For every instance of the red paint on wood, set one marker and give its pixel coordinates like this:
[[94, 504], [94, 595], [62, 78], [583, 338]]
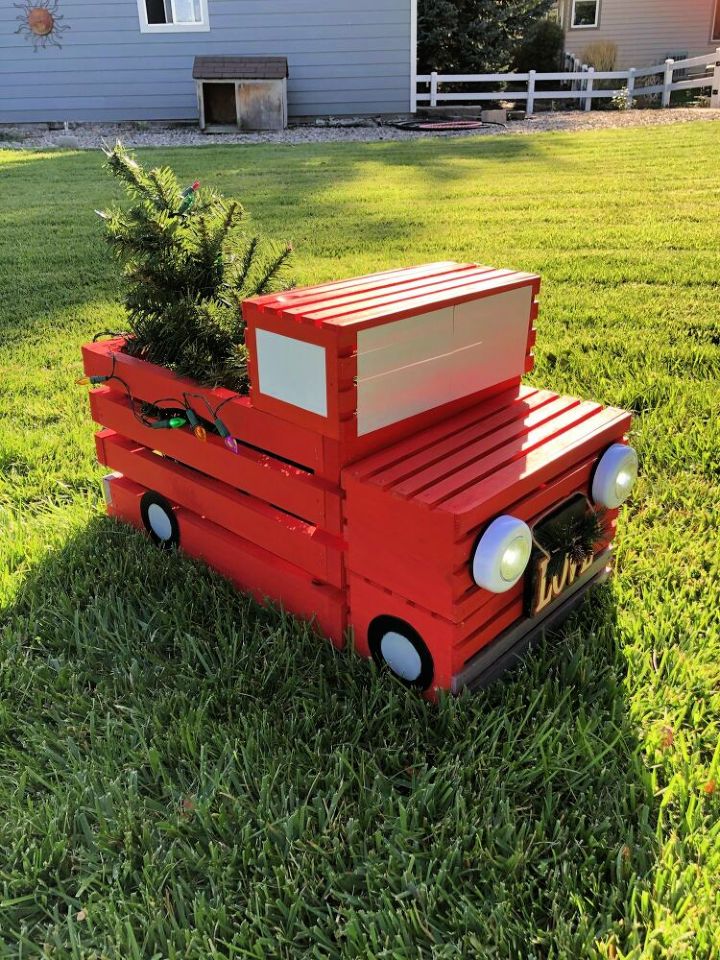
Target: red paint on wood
[[417, 294], [473, 506], [305, 545], [407, 502], [512, 448], [367, 601], [285, 486], [149, 382], [339, 311], [441, 581], [331, 316], [502, 431], [249, 567], [371, 281], [423, 553]]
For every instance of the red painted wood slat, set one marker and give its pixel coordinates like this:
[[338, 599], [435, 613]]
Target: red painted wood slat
[[538, 502], [384, 309], [305, 545], [552, 421], [368, 601], [354, 300], [395, 453], [473, 506], [288, 487], [425, 557], [414, 473], [150, 382], [249, 567], [372, 281]]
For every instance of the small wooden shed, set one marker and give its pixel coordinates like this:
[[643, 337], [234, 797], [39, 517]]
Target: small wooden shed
[[245, 93]]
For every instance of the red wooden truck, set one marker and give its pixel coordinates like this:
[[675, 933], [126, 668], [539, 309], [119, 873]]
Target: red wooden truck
[[388, 473]]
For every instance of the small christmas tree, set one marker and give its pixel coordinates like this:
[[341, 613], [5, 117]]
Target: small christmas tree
[[188, 265]]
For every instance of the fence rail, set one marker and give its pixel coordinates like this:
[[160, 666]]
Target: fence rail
[[579, 81]]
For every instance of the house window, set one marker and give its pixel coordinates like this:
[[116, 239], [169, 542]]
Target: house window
[[161, 16], [716, 22], [585, 13]]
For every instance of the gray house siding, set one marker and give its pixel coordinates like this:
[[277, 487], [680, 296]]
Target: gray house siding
[[645, 32], [345, 57]]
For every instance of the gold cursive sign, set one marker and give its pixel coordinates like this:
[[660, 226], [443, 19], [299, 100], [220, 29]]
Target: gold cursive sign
[[548, 588]]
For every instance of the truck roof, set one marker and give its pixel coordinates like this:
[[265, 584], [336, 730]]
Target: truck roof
[[383, 297]]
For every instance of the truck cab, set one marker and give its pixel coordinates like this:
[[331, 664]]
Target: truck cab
[[448, 464]]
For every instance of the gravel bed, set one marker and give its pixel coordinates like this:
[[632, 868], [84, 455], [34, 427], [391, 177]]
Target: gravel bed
[[91, 136]]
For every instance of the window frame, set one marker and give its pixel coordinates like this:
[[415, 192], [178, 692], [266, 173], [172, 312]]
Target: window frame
[[715, 23], [200, 27], [585, 26]]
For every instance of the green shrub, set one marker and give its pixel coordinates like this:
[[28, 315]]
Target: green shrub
[[542, 49], [473, 36]]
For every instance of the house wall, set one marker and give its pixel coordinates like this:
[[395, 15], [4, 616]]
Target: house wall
[[646, 31], [344, 57]]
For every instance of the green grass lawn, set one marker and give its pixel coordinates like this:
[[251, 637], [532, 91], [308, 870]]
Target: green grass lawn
[[185, 775]]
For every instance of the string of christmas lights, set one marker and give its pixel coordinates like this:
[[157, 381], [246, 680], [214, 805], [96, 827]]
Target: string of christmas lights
[[170, 419]]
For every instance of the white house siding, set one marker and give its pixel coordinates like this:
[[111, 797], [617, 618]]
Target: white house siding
[[344, 57], [647, 31]]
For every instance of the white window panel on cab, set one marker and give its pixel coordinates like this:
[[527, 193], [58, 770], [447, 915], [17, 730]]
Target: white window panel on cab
[[422, 362], [292, 370]]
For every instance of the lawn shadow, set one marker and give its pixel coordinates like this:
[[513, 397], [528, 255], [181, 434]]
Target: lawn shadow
[[152, 702]]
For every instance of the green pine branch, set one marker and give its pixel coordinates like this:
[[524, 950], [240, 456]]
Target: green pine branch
[[272, 271], [575, 537], [186, 276]]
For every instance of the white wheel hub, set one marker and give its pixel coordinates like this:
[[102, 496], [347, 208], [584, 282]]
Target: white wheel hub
[[159, 521], [400, 655]]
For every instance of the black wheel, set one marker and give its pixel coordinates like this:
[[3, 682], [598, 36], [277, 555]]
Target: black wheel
[[399, 647], [159, 520]]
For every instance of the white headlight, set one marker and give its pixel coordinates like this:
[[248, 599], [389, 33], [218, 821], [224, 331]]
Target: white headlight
[[615, 476], [502, 554]]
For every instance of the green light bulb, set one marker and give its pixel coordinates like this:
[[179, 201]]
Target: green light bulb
[[175, 422]]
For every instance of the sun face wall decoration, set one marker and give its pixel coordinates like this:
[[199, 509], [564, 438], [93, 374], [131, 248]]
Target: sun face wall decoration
[[40, 22]]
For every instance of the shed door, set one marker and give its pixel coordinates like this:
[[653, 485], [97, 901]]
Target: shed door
[[260, 105]]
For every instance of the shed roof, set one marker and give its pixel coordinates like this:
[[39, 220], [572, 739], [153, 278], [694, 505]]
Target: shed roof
[[240, 68]]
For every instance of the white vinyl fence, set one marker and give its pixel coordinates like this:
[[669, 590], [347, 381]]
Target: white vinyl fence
[[578, 83]]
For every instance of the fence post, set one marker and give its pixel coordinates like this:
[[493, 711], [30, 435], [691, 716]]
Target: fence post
[[667, 82], [530, 106], [589, 88], [630, 97], [433, 89], [715, 92], [581, 83]]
